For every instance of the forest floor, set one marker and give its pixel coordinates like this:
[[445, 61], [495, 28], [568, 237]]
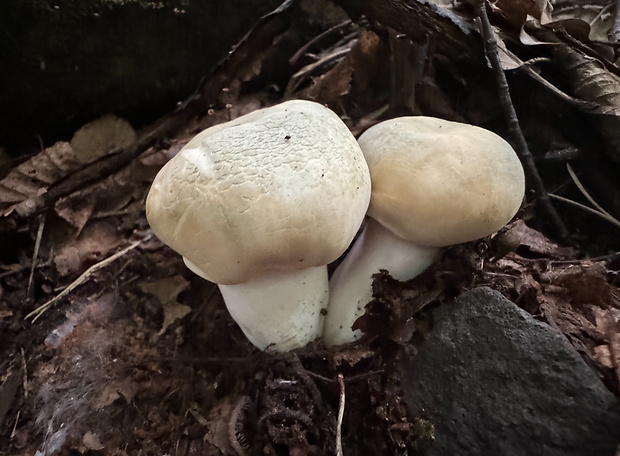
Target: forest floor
[[111, 346]]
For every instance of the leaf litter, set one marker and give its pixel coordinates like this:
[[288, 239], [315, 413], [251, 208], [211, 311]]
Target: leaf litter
[[143, 357]]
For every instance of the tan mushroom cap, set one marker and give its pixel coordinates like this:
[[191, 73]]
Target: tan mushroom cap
[[281, 188], [437, 183]]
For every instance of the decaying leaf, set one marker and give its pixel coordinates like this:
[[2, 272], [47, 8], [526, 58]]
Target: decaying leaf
[[94, 243], [594, 21], [591, 81], [37, 174], [75, 211], [53, 164], [173, 311], [332, 85], [518, 234], [91, 441], [167, 290], [100, 137], [516, 11], [391, 312]]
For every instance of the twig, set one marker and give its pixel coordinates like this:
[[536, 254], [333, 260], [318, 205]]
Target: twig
[[23, 268], [24, 373], [585, 193], [14, 431], [340, 416], [35, 255], [307, 381], [611, 256], [616, 28], [336, 28], [583, 207], [288, 414], [354, 378], [536, 183], [83, 278]]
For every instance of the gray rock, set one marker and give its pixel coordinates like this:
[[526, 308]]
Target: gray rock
[[494, 381]]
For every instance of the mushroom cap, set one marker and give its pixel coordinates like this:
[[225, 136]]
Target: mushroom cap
[[437, 183], [281, 188]]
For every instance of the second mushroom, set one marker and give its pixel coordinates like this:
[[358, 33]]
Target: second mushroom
[[434, 183]]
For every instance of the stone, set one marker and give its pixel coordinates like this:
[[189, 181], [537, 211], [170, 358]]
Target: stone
[[495, 381]]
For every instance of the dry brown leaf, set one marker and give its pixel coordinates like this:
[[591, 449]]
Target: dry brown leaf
[[75, 211], [100, 137], [113, 391], [351, 356], [67, 260], [107, 396], [603, 355], [217, 420], [34, 176], [92, 442], [534, 241], [515, 12], [51, 165], [591, 81], [368, 57], [586, 283], [332, 85], [167, 289], [94, 243], [594, 21], [173, 311]]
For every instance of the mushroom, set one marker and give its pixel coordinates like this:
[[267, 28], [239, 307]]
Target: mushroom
[[259, 205], [435, 183]]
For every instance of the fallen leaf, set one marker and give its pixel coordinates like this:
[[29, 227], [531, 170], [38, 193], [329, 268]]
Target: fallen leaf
[[533, 240], [75, 212], [167, 289], [173, 311], [603, 355], [101, 137], [35, 175], [92, 442]]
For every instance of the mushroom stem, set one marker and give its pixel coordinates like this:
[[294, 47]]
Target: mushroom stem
[[280, 311], [351, 284]]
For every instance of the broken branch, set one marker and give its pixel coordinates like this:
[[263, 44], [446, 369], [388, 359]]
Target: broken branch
[[536, 183]]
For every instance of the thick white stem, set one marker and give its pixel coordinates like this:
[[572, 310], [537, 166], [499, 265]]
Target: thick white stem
[[280, 311], [351, 284]]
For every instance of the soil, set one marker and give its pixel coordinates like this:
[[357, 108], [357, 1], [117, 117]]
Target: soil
[[140, 356]]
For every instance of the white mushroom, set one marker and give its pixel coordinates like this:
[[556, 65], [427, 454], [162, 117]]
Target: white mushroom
[[434, 183], [260, 205]]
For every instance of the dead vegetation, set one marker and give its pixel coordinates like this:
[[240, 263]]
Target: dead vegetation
[[110, 346]]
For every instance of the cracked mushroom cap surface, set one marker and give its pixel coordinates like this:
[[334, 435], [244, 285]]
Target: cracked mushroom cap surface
[[281, 188], [437, 183]]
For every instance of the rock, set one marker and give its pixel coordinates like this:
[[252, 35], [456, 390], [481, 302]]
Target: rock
[[494, 381]]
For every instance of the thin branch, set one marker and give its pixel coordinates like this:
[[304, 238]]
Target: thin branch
[[304, 376], [585, 193], [35, 255], [583, 207], [525, 155], [340, 416], [300, 53], [616, 27], [35, 314], [24, 373]]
